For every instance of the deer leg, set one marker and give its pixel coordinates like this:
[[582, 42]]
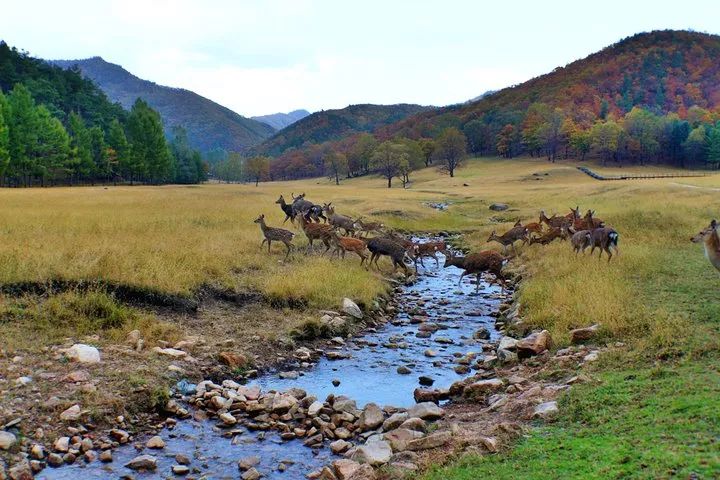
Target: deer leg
[[262, 244], [327, 247], [607, 249], [478, 277], [437, 262], [269, 241], [309, 247], [514, 249], [461, 277], [287, 245]]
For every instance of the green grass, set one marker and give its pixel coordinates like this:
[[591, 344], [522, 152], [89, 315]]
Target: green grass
[[639, 423]]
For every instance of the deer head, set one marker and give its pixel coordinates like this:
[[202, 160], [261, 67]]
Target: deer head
[[575, 212], [705, 233], [280, 200], [492, 236], [260, 219]]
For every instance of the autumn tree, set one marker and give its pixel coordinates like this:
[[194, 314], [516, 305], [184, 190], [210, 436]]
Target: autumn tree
[[427, 145], [505, 141], [388, 159], [605, 137], [335, 164], [696, 144], [581, 142], [257, 168], [359, 157], [451, 149]]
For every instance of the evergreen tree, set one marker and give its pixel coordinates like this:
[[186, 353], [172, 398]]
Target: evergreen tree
[[713, 147], [23, 132], [82, 163], [99, 153], [119, 157], [188, 163], [4, 134], [150, 154], [52, 149]]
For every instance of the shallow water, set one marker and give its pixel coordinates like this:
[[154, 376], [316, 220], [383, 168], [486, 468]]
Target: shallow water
[[370, 375]]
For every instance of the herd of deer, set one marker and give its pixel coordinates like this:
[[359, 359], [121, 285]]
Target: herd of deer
[[343, 234]]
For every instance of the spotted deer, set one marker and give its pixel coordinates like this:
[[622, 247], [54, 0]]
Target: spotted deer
[[274, 233], [348, 244], [477, 263], [554, 221], [316, 231], [711, 241]]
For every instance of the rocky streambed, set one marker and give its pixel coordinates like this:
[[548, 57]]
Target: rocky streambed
[[357, 398]]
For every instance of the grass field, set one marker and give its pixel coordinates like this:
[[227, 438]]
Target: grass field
[[653, 412]]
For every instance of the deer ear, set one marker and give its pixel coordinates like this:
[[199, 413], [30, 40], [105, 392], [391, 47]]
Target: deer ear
[[713, 223]]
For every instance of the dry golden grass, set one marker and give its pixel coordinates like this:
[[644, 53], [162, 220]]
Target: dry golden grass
[[176, 239]]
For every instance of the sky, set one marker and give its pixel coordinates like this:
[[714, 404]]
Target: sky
[[260, 57]]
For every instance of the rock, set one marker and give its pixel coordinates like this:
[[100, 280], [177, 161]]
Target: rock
[[7, 440], [427, 395], [481, 333], [403, 370], [351, 308], [72, 414], [394, 421], [334, 355], [182, 459], [344, 404], [506, 357], [590, 357], [339, 446], [483, 387], [291, 375], [227, 419], [371, 417], [534, 344], [82, 353], [23, 381], [415, 423], [344, 469], [106, 456], [490, 443], [314, 408], [429, 353], [400, 437], [62, 444], [21, 471], [580, 335], [375, 453], [180, 469], [336, 382], [170, 352], [55, 460], [142, 462], [433, 440], [507, 343], [155, 442], [426, 411], [282, 403], [545, 410], [77, 376], [233, 360], [247, 463], [425, 380], [37, 451], [251, 474], [498, 207]]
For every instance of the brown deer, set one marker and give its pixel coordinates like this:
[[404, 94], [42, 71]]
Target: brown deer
[[380, 246], [554, 221], [709, 237], [532, 227], [588, 222], [368, 227], [427, 249], [574, 213], [273, 233], [477, 263], [339, 221], [348, 244], [605, 239], [551, 235], [510, 237], [316, 231], [580, 241]]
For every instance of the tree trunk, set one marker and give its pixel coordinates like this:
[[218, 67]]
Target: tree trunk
[[389, 182]]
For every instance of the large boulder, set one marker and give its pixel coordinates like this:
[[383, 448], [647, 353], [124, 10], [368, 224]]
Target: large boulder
[[374, 453], [351, 308], [82, 353], [350, 470], [400, 437], [534, 344], [482, 388], [371, 417], [499, 207], [426, 411], [580, 335], [233, 360], [394, 421]]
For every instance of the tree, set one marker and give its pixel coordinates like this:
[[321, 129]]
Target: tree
[[643, 129], [550, 132], [81, 143], [335, 164], [360, 155], [713, 147], [4, 134], [151, 156], [230, 169], [505, 141], [53, 147], [476, 133], [696, 144], [451, 149], [119, 155], [415, 159], [388, 158], [23, 131], [257, 168], [605, 136], [187, 162], [427, 145], [581, 142]]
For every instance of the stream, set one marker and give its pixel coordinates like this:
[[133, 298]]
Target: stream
[[368, 375]]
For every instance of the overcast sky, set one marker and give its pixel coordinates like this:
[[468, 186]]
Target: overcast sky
[[259, 57]]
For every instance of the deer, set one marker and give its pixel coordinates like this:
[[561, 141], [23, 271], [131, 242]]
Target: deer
[[532, 227], [551, 235], [606, 239], [580, 241], [510, 237], [711, 241], [574, 213], [274, 233], [554, 221], [477, 263], [588, 222], [306, 207], [380, 246], [427, 249], [348, 244], [339, 221], [316, 231], [368, 227], [287, 209]]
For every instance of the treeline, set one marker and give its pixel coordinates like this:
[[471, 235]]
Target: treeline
[[57, 128]]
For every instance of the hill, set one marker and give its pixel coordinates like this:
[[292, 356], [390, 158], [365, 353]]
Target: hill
[[208, 124], [281, 120], [328, 125]]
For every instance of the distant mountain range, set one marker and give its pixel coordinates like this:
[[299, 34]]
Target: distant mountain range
[[281, 120], [209, 125], [328, 125]]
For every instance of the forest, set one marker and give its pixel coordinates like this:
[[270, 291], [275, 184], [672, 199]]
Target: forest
[[57, 128]]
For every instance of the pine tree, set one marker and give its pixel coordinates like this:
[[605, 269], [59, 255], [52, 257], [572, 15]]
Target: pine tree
[[713, 147], [4, 134], [23, 132], [52, 149], [82, 163], [119, 158], [150, 154]]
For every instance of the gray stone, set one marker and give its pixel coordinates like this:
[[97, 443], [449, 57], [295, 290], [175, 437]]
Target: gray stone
[[375, 453], [7, 440], [82, 353], [545, 410], [371, 417], [351, 308], [426, 411], [394, 421], [434, 440], [498, 207], [142, 462]]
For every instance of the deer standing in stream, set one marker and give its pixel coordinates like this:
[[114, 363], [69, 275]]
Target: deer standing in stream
[[711, 241], [274, 233], [477, 263]]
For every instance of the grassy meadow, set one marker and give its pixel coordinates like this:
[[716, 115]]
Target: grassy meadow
[[652, 409]]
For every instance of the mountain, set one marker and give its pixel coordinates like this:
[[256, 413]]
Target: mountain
[[330, 125], [208, 124], [281, 120], [662, 71]]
